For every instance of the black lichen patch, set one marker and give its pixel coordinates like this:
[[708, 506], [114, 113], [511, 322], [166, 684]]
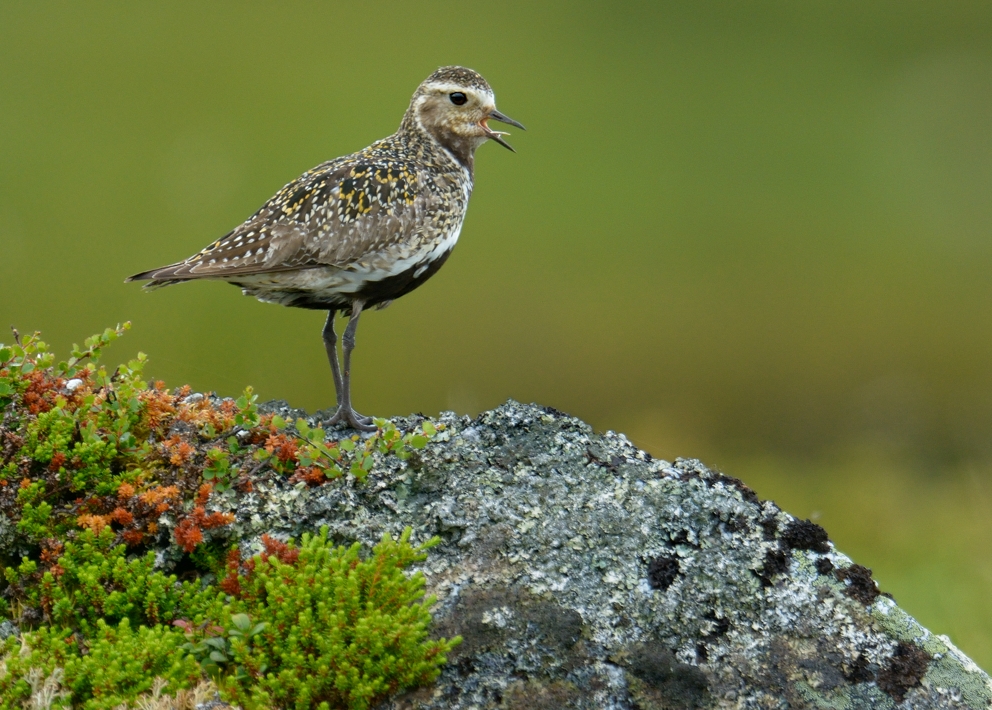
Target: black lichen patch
[[711, 478], [536, 695], [904, 670], [770, 527], [490, 619], [658, 680], [662, 571], [795, 661], [861, 587], [702, 655], [746, 492], [805, 535], [859, 670], [824, 566], [776, 562]]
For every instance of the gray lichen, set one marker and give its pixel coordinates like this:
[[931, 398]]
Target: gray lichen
[[584, 574]]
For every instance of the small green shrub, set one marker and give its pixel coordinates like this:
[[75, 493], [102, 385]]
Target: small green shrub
[[91, 463], [120, 663], [94, 582], [320, 627]]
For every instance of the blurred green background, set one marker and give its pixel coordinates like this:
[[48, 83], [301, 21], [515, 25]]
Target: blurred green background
[[753, 233]]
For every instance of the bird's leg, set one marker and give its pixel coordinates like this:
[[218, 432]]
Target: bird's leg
[[331, 346], [345, 411]]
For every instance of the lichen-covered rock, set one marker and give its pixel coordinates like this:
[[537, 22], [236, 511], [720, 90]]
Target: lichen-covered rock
[[582, 573]]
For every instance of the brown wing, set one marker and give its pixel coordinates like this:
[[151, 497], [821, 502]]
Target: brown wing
[[331, 215]]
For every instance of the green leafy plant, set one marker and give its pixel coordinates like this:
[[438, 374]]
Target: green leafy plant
[[120, 663], [92, 461], [330, 629]]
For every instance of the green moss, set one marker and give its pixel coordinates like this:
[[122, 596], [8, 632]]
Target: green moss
[[91, 462]]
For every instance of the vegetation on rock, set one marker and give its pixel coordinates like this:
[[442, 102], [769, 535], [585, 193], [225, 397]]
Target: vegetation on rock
[[99, 469]]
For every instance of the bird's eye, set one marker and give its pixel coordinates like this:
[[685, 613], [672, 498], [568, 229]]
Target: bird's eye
[[458, 98]]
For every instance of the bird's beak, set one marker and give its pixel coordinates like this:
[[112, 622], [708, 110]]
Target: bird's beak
[[498, 135], [503, 118]]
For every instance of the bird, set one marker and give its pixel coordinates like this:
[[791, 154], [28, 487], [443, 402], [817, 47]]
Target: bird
[[361, 230]]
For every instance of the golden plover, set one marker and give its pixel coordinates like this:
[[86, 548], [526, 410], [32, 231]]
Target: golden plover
[[364, 229]]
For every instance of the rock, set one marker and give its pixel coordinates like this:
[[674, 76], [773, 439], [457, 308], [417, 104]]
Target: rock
[[581, 573]]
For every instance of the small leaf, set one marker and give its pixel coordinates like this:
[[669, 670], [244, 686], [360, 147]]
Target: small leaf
[[278, 422], [241, 621], [418, 442], [5, 354], [429, 429]]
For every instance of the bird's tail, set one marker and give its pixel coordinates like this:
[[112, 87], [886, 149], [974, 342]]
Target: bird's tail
[[157, 278]]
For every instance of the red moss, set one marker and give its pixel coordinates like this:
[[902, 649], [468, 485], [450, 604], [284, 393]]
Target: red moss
[[58, 460], [51, 550], [204, 493], [159, 406], [178, 451], [133, 538], [282, 447], [159, 494], [187, 535], [122, 517], [313, 476], [282, 552], [96, 523], [41, 391], [232, 581]]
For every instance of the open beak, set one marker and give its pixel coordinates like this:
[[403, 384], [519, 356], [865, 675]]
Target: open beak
[[498, 135]]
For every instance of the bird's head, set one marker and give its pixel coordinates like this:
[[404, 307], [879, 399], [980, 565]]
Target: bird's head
[[454, 106]]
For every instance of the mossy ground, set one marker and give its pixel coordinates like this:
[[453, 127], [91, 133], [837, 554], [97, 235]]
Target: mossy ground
[[100, 470]]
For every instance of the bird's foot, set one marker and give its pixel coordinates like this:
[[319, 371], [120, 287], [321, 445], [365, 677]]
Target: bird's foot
[[351, 418]]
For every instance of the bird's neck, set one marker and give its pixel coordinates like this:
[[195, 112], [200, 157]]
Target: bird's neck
[[461, 150]]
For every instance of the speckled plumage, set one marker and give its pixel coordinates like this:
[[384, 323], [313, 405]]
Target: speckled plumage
[[366, 228]]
